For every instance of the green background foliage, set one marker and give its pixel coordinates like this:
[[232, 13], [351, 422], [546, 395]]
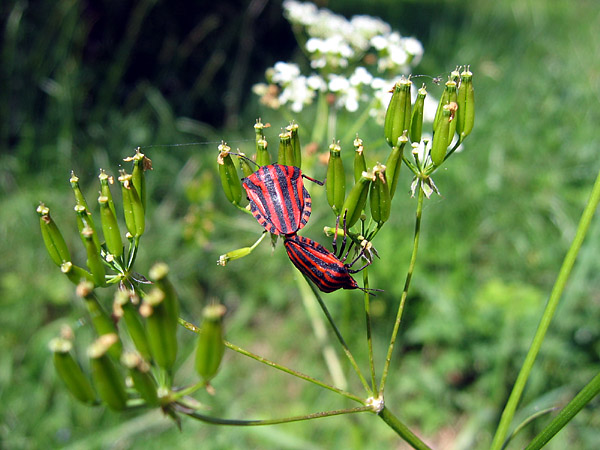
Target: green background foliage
[[83, 84]]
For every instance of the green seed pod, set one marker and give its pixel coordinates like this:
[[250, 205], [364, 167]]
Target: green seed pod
[[380, 196], [450, 94], [105, 182], [416, 121], [259, 128], [140, 164], [110, 228], [144, 383], [101, 321], [292, 128], [210, 346], [440, 136], [466, 105], [233, 255], [335, 184], [132, 206], [94, 260], [357, 199], [70, 371], [230, 180], [124, 307], [263, 158], [360, 164], [247, 169], [75, 273], [397, 116], [79, 198], [158, 273], [160, 329], [285, 155], [53, 239], [394, 162], [107, 379], [84, 220]]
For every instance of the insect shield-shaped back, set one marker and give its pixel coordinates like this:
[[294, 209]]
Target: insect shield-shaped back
[[278, 198], [319, 264]]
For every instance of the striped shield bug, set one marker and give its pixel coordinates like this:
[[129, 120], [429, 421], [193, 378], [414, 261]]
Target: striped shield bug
[[322, 267], [278, 198]]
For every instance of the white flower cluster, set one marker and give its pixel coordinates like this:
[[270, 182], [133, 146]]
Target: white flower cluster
[[339, 49]]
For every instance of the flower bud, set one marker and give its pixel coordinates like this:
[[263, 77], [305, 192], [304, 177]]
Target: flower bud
[[107, 379], [138, 178], [101, 321], [440, 136], [132, 206], [70, 371], [230, 180], [75, 273], [286, 155], [110, 227], [210, 346], [380, 196], [292, 128], [247, 169], [357, 199], [53, 239], [394, 162], [466, 105], [360, 164], [416, 121], [144, 383], [105, 182], [161, 329], [123, 307], [94, 260], [335, 184], [158, 273], [397, 116]]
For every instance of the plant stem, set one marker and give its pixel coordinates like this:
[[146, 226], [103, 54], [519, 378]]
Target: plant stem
[[557, 290], [258, 422], [568, 412], [402, 430], [368, 320], [411, 268], [285, 369], [340, 337]]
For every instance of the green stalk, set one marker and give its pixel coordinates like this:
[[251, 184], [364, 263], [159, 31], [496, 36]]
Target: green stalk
[[368, 320], [557, 290], [339, 337], [258, 422], [409, 274], [568, 412], [269, 363], [402, 430]]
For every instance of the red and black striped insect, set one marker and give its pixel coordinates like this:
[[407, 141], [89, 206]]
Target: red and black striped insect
[[322, 267], [278, 198]]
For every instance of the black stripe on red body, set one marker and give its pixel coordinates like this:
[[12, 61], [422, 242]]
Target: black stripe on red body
[[278, 198], [319, 264]]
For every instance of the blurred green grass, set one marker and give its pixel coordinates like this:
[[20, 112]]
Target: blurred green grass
[[492, 243]]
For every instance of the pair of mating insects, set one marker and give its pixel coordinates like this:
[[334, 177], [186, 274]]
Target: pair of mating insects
[[282, 205]]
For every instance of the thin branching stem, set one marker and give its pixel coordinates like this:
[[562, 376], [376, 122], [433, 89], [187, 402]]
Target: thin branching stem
[[402, 430], [367, 297], [277, 366], [409, 274], [258, 422], [340, 337], [556, 294]]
